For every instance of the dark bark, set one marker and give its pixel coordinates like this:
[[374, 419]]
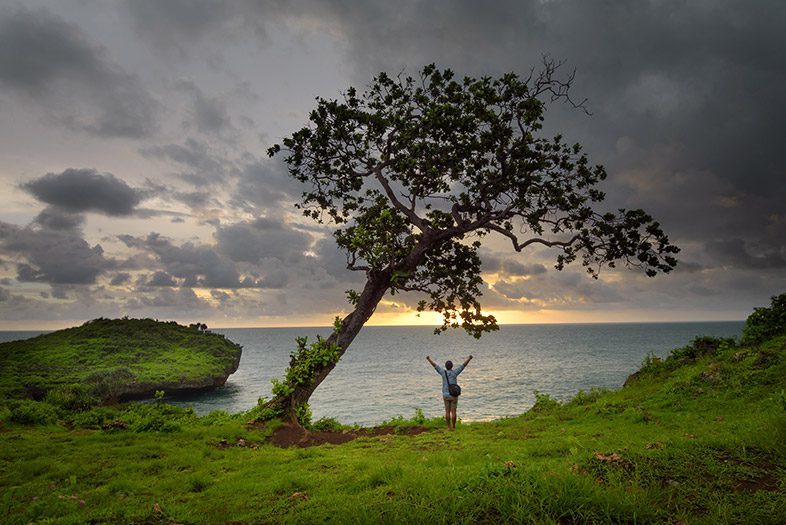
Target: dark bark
[[377, 284]]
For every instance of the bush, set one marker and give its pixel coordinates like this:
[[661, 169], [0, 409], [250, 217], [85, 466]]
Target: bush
[[702, 346], [586, 398], [544, 402], [28, 412], [766, 323], [95, 418], [107, 384], [72, 398], [328, 424]]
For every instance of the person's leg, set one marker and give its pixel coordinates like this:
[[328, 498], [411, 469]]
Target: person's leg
[[447, 411], [453, 414]]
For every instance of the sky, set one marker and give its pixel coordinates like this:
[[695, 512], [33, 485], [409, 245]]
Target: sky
[[135, 179]]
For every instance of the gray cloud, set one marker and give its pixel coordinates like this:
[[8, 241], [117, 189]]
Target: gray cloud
[[120, 279], [60, 257], [737, 253], [209, 114], [194, 265], [54, 218], [198, 165], [517, 269], [45, 59], [177, 25], [261, 238], [81, 190]]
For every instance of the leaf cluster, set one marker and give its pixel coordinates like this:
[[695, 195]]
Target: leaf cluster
[[304, 362], [765, 323]]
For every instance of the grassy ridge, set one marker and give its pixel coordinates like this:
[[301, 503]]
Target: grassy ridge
[[114, 357], [697, 438]]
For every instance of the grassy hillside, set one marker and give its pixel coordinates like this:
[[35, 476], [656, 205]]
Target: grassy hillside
[[699, 437], [112, 358]]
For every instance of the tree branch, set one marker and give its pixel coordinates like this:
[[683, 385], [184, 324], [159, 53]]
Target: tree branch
[[410, 214]]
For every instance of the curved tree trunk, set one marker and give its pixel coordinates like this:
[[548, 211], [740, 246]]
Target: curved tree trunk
[[377, 284], [374, 290]]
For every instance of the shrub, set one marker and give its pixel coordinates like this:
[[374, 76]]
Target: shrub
[[766, 323], [328, 424], [106, 384], [28, 412], [95, 418], [585, 398], [702, 346], [544, 402], [72, 398]]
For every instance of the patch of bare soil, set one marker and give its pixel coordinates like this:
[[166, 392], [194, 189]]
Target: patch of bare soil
[[289, 435]]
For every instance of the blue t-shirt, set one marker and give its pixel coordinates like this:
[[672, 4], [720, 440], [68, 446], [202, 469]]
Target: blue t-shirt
[[452, 374]]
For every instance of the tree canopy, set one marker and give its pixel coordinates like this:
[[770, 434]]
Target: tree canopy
[[438, 161], [416, 171]]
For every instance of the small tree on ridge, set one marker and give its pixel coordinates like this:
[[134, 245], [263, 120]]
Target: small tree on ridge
[[416, 171]]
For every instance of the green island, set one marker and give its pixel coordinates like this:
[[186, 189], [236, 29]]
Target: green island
[[697, 437], [116, 359]]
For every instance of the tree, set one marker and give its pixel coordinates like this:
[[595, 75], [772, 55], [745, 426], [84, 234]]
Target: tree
[[415, 172]]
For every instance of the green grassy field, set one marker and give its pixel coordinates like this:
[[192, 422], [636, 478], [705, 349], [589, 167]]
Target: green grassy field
[[698, 438]]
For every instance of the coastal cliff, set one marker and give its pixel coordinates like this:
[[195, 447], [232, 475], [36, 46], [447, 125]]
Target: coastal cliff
[[118, 359]]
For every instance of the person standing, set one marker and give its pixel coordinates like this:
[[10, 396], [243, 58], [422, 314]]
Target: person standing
[[449, 375]]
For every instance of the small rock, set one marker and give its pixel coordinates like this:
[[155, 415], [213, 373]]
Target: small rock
[[672, 483]]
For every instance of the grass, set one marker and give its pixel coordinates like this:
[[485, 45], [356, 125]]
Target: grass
[[698, 438]]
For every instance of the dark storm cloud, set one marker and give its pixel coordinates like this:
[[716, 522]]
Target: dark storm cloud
[[737, 253], [192, 264], [82, 190], [51, 62], [55, 218], [261, 238], [685, 98], [59, 257]]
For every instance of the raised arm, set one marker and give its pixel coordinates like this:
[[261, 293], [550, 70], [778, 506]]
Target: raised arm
[[467, 361], [428, 358]]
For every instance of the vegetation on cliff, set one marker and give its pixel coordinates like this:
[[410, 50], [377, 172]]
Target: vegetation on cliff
[[111, 359]]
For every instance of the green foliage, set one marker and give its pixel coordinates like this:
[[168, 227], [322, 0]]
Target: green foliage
[[72, 398], [303, 414], [304, 362], [652, 365], [702, 346], [262, 412], [766, 323], [27, 412], [544, 402], [328, 424], [586, 398]]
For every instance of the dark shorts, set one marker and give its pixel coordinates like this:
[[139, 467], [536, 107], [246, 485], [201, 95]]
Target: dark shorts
[[450, 402]]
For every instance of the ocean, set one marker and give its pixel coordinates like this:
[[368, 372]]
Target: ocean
[[384, 373]]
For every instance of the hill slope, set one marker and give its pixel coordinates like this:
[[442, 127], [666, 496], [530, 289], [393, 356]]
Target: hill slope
[[697, 438]]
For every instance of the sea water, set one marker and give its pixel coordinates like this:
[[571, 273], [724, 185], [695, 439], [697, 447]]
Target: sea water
[[384, 373]]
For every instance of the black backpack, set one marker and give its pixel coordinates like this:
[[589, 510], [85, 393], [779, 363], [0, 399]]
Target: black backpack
[[453, 390]]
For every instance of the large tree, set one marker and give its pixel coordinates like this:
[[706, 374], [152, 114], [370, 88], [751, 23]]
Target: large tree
[[415, 172]]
